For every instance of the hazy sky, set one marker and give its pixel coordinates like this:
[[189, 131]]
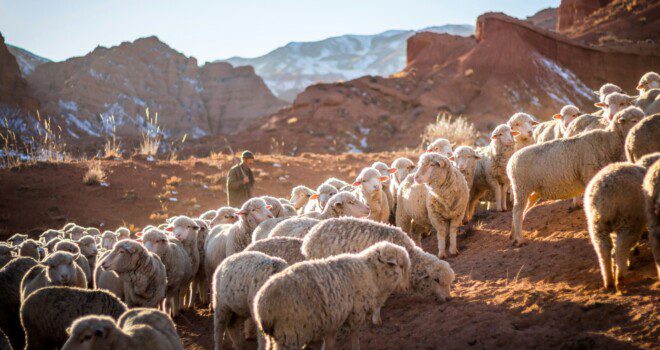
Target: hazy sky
[[209, 30]]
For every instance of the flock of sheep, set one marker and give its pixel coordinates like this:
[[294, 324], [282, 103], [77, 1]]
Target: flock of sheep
[[303, 268]]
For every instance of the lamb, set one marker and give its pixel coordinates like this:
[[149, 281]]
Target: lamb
[[523, 124], [123, 233], [651, 191], [185, 230], [571, 163], [466, 159], [648, 81], [289, 210], [235, 284], [200, 285], [311, 300], [318, 200], [612, 104], [10, 302], [614, 205], [336, 183], [6, 254], [178, 267], [108, 240], [87, 246], [442, 146], [429, 276], [287, 248], [76, 232], [556, 128], [643, 138], [300, 196], [49, 235], [370, 191], [50, 246], [403, 166], [231, 239], [58, 269], [263, 230], [649, 101], [48, 312], [30, 248], [17, 239], [209, 215], [274, 206], [107, 280], [93, 231], [71, 247], [137, 328], [225, 215], [386, 171], [141, 272], [607, 89]]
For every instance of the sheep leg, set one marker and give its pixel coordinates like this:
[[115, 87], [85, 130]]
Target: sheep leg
[[625, 241], [329, 341], [220, 319], [497, 193], [505, 195], [453, 227], [234, 328], [654, 238], [375, 317], [441, 227], [603, 246], [355, 340], [518, 216], [262, 342]]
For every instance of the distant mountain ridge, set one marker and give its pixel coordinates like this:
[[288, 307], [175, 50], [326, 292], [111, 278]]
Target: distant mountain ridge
[[27, 61], [289, 69]]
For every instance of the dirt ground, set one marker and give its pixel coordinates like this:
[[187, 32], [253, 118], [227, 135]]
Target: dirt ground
[[546, 294]]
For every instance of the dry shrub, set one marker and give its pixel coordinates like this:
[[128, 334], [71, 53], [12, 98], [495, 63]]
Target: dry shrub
[[457, 130], [94, 175], [151, 137]]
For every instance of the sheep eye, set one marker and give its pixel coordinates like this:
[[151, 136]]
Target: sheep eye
[[437, 280]]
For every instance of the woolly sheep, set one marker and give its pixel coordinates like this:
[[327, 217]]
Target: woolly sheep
[[10, 302], [403, 166], [556, 128], [141, 272], [107, 280], [649, 101], [209, 215], [48, 235], [319, 199], [93, 231], [58, 269], [429, 276], [48, 312], [87, 246], [560, 169], [17, 239], [466, 159], [50, 246], [490, 174], [200, 284], [178, 267], [138, 328], [643, 138], [289, 210], [296, 227], [370, 192], [71, 247], [6, 253], [651, 191], [648, 81], [30, 248], [225, 215], [300, 196], [123, 233], [311, 300], [4, 341], [612, 104], [386, 171], [287, 248], [336, 183], [263, 230], [442, 146], [274, 206], [605, 90], [185, 230], [648, 160], [68, 226], [523, 124], [614, 205], [76, 232], [108, 239], [235, 284]]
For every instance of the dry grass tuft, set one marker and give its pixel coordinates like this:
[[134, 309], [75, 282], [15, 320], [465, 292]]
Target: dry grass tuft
[[151, 136], [457, 130], [94, 175]]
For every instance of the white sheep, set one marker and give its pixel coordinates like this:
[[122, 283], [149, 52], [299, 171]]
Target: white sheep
[[643, 138], [610, 106], [10, 302], [30, 248], [235, 284], [605, 90], [386, 170], [651, 191], [48, 235], [524, 125], [264, 229], [370, 192], [300, 196], [71, 247], [311, 300], [108, 240], [185, 230], [442, 146], [556, 128], [200, 285], [58, 269], [107, 280], [466, 158], [123, 233], [137, 328], [429, 276], [336, 183], [88, 249], [142, 273], [17, 239], [648, 81], [275, 206], [287, 248], [614, 206], [209, 215], [319, 199], [403, 166], [224, 215], [561, 168], [6, 253]]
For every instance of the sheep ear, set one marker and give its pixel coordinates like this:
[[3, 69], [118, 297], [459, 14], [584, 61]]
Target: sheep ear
[[241, 213], [600, 104], [597, 93], [269, 207], [314, 196], [383, 178], [494, 137], [452, 158], [338, 205], [535, 122], [357, 183], [515, 133], [391, 170], [640, 87], [476, 156], [557, 116]]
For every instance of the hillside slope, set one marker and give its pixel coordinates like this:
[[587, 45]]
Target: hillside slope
[[27, 61]]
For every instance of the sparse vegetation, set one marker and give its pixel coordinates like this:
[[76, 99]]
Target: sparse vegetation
[[458, 130], [151, 136], [94, 175], [111, 148]]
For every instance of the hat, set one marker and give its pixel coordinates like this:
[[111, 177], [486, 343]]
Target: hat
[[247, 155]]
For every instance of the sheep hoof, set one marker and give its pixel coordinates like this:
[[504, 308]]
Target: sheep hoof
[[442, 255], [519, 243], [453, 253]]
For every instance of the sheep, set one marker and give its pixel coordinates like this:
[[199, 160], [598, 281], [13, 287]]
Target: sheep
[[209, 215], [141, 272], [560, 169], [87, 246], [289, 210], [442, 146], [386, 171], [429, 276], [648, 81], [68, 226], [225, 215], [607, 89], [523, 124], [614, 205], [235, 284], [556, 128], [49, 235], [274, 206], [93, 231], [107, 280], [287, 248], [75, 232], [10, 289], [300, 196], [643, 138], [649, 101], [71, 247], [6, 253], [403, 166], [370, 192], [48, 312], [17, 239], [336, 183], [466, 159], [50, 246], [651, 191], [311, 300], [123, 233], [185, 230], [138, 328], [58, 269], [200, 284], [490, 174], [319, 199], [648, 160], [178, 267], [30, 248], [263, 230], [108, 240], [225, 240], [612, 104]]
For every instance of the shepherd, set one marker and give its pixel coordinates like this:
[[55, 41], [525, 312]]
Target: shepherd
[[240, 181]]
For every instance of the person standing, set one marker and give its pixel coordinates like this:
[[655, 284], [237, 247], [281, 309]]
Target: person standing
[[240, 181]]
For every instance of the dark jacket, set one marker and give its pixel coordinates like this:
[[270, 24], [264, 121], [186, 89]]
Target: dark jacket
[[238, 192]]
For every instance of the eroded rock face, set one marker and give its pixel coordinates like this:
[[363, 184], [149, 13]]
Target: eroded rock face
[[14, 90], [125, 80], [574, 11]]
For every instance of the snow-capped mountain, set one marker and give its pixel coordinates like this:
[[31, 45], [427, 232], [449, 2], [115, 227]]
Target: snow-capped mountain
[[288, 70], [27, 61]]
